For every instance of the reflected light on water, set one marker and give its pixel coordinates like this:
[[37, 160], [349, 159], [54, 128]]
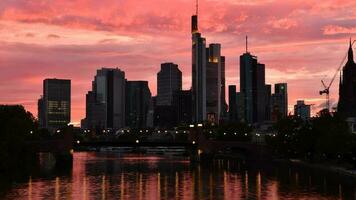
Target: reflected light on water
[[100, 176]]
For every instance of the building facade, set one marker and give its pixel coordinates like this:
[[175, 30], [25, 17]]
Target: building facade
[[138, 103], [169, 80], [198, 73], [213, 83], [106, 102], [232, 103], [54, 107], [252, 84], [302, 110], [347, 87]]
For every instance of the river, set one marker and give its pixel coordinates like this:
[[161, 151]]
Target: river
[[99, 175]]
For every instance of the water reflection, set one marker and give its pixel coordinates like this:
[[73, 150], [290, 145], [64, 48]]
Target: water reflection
[[114, 176]]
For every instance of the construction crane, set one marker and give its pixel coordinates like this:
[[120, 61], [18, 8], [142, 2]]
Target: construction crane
[[326, 89]]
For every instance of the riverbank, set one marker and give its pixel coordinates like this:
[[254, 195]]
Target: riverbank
[[331, 168]]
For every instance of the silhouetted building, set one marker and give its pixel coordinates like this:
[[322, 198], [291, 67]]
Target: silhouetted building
[[347, 87], [279, 101], [138, 102], [213, 83], [169, 80], [224, 106], [302, 110], [198, 73], [183, 107], [55, 104], [106, 102], [252, 77], [240, 107], [165, 116], [232, 103], [268, 104]]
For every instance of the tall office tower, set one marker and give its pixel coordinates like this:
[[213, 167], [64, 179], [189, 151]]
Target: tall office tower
[[169, 80], [232, 103], [347, 87], [106, 101], [213, 83], [54, 106], [198, 73], [302, 110], [268, 95], [240, 99], [182, 100], [279, 101], [223, 92], [138, 101], [252, 77]]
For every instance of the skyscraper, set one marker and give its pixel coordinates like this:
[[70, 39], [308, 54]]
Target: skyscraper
[[138, 102], [223, 96], [279, 101], [55, 104], [347, 94], [232, 103], [252, 77], [213, 83], [169, 80], [198, 73], [302, 110], [182, 101], [106, 101]]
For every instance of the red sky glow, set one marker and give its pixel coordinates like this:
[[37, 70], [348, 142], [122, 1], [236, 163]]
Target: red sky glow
[[301, 42]]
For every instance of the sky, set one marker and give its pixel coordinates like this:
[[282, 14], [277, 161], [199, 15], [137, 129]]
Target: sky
[[300, 42]]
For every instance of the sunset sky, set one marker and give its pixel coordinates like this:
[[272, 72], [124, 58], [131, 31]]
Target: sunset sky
[[300, 41]]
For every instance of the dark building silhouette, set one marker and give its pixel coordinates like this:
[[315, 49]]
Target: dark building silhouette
[[55, 104], [182, 101], [268, 103], [252, 77], [198, 73], [279, 101], [213, 83], [232, 103], [224, 106], [302, 110], [169, 80], [347, 87], [138, 102], [106, 102]]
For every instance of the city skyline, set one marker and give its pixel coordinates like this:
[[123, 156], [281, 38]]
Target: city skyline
[[302, 57]]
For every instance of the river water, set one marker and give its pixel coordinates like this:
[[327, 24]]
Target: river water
[[99, 175]]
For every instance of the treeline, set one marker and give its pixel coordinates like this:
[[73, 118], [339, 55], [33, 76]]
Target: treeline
[[324, 138], [16, 126]]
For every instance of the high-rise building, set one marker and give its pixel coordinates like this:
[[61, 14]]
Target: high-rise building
[[169, 80], [302, 110], [138, 102], [223, 88], [106, 101], [198, 73], [232, 103], [279, 101], [55, 104], [252, 77], [213, 83], [347, 94], [268, 104], [183, 107]]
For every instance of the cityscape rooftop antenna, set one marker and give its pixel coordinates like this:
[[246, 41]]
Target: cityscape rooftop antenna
[[196, 7], [246, 44]]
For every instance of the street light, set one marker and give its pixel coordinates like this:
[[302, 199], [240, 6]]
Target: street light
[[137, 141], [78, 142], [200, 125], [193, 142], [58, 131], [191, 126]]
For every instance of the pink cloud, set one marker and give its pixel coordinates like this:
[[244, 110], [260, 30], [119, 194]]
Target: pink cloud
[[293, 38]]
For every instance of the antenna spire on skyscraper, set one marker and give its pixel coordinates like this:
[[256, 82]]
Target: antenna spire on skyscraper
[[196, 7], [246, 44]]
